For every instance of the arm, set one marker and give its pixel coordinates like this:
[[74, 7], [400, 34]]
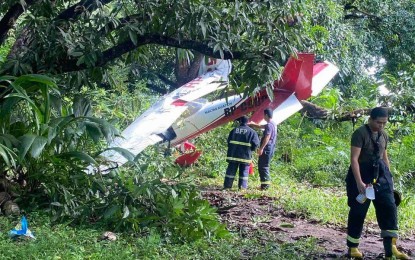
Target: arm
[[255, 142], [263, 144], [386, 159], [354, 156], [255, 125], [229, 137]]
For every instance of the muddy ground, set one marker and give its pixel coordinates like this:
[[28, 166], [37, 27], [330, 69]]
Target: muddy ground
[[247, 215]]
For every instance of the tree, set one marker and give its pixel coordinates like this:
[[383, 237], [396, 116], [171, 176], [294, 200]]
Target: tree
[[80, 40], [68, 37]]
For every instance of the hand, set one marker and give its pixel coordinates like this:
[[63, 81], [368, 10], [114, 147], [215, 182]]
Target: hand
[[260, 151], [252, 124], [361, 187]]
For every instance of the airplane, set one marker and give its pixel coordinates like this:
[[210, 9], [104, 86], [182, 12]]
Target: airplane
[[183, 115]]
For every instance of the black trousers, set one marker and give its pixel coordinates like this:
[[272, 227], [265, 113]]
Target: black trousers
[[231, 172], [263, 167], [386, 212]]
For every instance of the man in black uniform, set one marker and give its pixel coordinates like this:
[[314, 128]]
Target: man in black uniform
[[370, 168], [242, 140]]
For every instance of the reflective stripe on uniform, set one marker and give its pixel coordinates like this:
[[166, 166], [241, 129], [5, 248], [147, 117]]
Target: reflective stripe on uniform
[[389, 233], [243, 178], [240, 143], [353, 240], [230, 176], [238, 159]]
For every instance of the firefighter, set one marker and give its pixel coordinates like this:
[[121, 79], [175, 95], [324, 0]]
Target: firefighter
[[242, 140], [369, 170]]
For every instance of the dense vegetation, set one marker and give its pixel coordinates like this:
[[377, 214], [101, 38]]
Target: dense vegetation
[[72, 74]]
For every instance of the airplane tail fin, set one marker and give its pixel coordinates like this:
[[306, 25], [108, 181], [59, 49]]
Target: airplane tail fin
[[297, 76], [295, 83], [300, 80]]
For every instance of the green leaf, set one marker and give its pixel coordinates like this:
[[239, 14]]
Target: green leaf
[[38, 145], [270, 93], [80, 61], [8, 155], [93, 131], [111, 211], [26, 142], [203, 27], [133, 37], [76, 54], [57, 204], [23, 80], [80, 156], [124, 152], [287, 225]]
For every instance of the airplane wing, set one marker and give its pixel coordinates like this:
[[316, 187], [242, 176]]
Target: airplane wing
[[147, 129]]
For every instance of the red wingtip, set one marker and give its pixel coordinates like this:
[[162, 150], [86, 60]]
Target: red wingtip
[[179, 103]]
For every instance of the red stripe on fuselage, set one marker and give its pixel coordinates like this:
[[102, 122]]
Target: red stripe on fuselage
[[245, 106]]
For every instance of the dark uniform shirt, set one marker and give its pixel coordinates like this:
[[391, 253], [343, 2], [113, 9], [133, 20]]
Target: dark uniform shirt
[[242, 141], [361, 138], [365, 139], [270, 129]]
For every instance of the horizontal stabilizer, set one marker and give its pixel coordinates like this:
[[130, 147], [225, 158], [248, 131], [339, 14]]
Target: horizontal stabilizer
[[286, 109], [323, 72]]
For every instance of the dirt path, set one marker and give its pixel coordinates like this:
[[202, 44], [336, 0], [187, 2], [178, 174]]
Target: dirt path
[[246, 215]]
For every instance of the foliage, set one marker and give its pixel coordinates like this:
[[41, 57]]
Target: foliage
[[48, 134], [49, 148], [212, 163], [135, 203], [400, 94], [83, 242], [41, 132], [68, 39]]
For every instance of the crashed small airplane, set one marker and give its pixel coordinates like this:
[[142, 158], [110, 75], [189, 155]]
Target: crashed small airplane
[[182, 114]]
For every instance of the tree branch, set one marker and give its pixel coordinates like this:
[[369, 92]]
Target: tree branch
[[10, 18], [128, 45], [355, 10], [157, 89], [166, 80], [315, 112]]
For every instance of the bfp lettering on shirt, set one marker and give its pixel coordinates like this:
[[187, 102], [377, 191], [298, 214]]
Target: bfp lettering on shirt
[[241, 131]]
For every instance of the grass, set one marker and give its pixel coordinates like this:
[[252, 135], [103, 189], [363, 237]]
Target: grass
[[63, 241], [325, 204], [82, 242]]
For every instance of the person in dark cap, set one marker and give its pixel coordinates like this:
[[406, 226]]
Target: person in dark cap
[[266, 148], [242, 140], [369, 171]]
